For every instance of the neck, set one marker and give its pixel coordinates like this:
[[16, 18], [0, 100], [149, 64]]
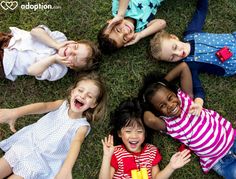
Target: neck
[[188, 48], [74, 115]]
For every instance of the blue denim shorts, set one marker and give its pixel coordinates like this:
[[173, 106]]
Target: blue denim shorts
[[226, 166]]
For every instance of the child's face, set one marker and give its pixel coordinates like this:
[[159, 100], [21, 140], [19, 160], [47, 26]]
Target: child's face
[[166, 102], [173, 50], [76, 54], [132, 136], [121, 33], [84, 96]]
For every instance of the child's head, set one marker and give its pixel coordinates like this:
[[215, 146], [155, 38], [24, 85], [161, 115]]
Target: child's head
[[83, 55], [128, 125], [160, 96], [168, 47], [88, 96], [115, 37]]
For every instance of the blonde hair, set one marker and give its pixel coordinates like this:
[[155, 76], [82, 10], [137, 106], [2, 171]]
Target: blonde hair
[[93, 114], [156, 42], [93, 58]]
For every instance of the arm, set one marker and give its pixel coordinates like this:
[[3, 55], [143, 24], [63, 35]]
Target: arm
[[153, 121], [123, 4], [10, 116], [37, 69], [66, 169], [178, 160], [182, 70], [198, 19], [152, 27], [41, 35], [106, 170]]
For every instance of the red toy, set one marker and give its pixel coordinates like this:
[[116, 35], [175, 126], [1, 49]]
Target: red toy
[[224, 54]]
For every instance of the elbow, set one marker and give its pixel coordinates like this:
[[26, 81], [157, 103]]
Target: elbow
[[32, 72], [161, 23], [35, 31]]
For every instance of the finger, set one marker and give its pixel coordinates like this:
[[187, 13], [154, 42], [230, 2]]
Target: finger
[[12, 128]]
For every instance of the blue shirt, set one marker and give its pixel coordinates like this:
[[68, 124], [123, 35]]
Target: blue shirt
[[205, 45], [142, 11]]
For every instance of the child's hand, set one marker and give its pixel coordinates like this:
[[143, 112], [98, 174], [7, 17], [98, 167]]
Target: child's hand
[[195, 109], [114, 21], [65, 43], [179, 159], [108, 147], [8, 116], [63, 60], [136, 38]]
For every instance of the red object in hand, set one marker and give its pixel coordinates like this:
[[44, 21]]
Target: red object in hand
[[224, 54], [182, 147]]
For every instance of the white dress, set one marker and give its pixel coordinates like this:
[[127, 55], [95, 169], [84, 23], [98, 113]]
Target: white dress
[[24, 50], [38, 151]]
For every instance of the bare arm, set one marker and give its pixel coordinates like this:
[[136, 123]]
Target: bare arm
[[183, 72], [41, 35], [154, 122], [123, 4], [36, 69], [66, 169], [178, 160], [107, 171], [10, 116]]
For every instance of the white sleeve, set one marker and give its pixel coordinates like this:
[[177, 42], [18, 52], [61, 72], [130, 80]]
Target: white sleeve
[[53, 72]]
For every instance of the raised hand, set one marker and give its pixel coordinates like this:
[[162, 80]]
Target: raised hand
[[179, 159], [195, 109], [108, 146], [112, 22], [136, 38], [9, 117]]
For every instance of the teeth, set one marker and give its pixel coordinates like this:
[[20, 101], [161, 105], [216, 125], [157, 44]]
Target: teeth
[[133, 142]]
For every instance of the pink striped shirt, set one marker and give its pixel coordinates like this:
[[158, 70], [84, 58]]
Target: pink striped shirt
[[124, 161], [210, 136]]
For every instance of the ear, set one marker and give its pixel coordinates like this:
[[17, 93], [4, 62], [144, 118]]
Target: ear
[[174, 37], [119, 134], [94, 105]]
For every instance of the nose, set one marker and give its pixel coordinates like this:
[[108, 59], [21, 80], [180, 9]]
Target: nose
[[82, 95], [169, 105]]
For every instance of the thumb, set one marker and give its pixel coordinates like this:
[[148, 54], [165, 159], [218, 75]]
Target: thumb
[[12, 127]]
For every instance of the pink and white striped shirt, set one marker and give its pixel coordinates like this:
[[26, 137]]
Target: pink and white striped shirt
[[210, 136], [123, 161]]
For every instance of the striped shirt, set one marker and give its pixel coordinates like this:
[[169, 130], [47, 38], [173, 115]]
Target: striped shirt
[[124, 161], [210, 136]]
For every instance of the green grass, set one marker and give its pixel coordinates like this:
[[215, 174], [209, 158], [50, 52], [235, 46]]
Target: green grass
[[122, 71]]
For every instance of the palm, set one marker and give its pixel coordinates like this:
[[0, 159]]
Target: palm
[[108, 147]]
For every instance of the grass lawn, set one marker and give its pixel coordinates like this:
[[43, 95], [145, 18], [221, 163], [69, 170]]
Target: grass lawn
[[123, 71]]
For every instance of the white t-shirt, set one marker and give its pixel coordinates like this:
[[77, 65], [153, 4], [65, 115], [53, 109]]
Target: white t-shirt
[[24, 50]]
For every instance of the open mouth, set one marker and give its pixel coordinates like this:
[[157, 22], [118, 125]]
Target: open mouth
[[65, 51], [78, 104], [130, 29], [175, 110], [133, 144]]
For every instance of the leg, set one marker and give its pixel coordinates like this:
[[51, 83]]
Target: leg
[[5, 168]]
